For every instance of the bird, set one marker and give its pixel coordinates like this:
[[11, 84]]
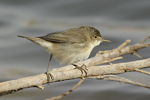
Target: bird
[[69, 46]]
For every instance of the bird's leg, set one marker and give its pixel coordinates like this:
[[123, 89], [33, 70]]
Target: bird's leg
[[48, 74], [81, 68]]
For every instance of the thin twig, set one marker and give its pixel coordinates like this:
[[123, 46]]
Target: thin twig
[[119, 79], [142, 41], [108, 61], [137, 55], [123, 44], [60, 96], [145, 72]]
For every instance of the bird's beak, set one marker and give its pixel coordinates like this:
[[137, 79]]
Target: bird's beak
[[105, 40]]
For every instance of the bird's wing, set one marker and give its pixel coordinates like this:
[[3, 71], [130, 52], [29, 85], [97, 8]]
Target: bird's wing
[[65, 37]]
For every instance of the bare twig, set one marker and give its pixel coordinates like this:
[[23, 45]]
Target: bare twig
[[123, 44], [142, 41], [136, 54], [60, 96], [119, 79], [108, 61], [138, 70]]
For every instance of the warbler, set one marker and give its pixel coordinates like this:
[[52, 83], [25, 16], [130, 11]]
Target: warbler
[[69, 46]]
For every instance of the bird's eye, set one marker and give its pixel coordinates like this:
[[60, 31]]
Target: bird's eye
[[95, 37]]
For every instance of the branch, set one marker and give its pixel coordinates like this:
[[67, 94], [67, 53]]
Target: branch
[[68, 72], [37, 81]]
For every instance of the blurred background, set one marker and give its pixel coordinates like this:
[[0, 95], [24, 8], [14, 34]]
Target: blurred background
[[117, 20]]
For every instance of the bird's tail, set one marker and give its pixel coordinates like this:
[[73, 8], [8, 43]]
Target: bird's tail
[[38, 41]]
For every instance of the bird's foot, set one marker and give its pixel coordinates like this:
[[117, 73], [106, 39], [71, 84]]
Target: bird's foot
[[49, 76], [81, 68]]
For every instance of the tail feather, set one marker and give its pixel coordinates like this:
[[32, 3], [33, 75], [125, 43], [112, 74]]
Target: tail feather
[[21, 36], [38, 41]]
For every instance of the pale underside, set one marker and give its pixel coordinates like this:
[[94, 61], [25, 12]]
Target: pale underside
[[70, 53]]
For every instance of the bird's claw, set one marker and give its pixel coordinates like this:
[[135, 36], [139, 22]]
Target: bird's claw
[[81, 68], [49, 76]]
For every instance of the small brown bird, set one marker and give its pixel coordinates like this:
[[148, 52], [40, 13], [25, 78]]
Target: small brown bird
[[69, 46]]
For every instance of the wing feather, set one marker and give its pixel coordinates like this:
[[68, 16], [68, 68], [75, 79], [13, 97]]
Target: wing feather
[[68, 36]]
